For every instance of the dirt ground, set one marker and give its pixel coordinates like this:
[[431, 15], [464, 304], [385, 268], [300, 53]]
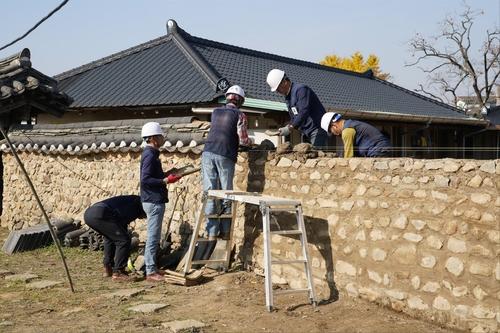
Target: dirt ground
[[231, 302]]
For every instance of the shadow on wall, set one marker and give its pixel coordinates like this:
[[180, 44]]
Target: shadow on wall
[[317, 235], [252, 216], [316, 229]]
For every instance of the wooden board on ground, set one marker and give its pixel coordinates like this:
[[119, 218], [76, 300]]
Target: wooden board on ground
[[192, 278]]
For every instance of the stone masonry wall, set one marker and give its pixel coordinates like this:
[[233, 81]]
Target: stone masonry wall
[[67, 185], [419, 236]]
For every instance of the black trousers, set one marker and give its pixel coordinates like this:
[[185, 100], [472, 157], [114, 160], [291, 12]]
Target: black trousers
[[105, 221]]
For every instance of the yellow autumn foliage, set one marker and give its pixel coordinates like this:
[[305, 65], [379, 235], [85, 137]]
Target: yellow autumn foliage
[[356, 63]]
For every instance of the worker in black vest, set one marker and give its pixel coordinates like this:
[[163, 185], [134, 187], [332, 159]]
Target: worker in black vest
[[360, 139], [228, 130], [110, 218]]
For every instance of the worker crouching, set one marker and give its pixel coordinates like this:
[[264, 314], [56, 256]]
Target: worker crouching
[[110, 218]]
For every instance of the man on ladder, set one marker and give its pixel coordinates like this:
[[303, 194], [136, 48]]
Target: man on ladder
[[228, 131]]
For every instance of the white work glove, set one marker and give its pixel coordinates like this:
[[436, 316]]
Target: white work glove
[[284, 131]]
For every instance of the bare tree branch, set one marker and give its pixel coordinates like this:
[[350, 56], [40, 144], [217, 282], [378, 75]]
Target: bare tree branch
[[422, 90], [451, 63]]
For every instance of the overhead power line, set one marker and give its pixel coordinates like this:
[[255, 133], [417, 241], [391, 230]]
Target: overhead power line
[[36, 25]]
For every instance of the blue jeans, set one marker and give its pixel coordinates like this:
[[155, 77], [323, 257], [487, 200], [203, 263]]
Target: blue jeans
[[217, 173], [155, 213], [318, 138]]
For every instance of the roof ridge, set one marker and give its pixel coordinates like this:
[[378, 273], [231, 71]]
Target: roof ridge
[[278, 57], [112, 57], [181, 37]]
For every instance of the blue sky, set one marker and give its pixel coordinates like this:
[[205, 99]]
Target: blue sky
[[86, 30]]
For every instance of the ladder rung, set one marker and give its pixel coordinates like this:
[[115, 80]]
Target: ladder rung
[[204, 240], [286, 232], [290, 291], [282, 209], [284, 262], [207, 261], [224, 216]]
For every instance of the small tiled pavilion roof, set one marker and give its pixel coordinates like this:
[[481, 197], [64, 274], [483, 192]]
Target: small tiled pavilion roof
[[24, 91]]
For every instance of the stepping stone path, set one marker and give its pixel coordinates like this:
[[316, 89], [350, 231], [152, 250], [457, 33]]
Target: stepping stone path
[[125, 293], [26, 277], [69, 312], [179, 326], [43, 284], [147, 308]]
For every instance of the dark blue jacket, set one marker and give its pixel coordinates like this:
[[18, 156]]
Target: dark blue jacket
[[153, 188], [126, 207], [223, 136], [369, 141], [304, 108]]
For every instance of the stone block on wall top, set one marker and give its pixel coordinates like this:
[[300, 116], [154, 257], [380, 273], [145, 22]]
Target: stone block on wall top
[[441, 181], [475, 181], [488, 167]]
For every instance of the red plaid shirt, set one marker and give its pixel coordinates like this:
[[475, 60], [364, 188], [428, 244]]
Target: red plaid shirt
[[243, 130]]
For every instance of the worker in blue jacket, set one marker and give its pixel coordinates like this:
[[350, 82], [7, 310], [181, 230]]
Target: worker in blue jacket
[[359, 138], [154, 195], [303, 105]]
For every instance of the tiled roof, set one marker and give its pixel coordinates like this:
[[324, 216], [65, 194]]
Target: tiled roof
[[22, 85], [155, 73], [183, 134], [180, 68]]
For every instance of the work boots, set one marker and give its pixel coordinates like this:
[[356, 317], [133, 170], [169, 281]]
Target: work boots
[[123, 277], [107, 271], [155, 277]]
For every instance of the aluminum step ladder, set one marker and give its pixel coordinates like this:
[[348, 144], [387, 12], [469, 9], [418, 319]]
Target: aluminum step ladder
[[267, 205]]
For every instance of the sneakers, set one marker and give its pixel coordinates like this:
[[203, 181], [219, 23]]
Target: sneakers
[[122, 277], [107, 271], [155, 277]]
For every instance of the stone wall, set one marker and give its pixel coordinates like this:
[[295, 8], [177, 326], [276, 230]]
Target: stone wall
[[419, 236], [67, 185]]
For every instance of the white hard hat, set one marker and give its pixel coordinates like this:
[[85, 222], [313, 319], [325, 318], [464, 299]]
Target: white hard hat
[[151, 129], [237, 90], [328, 118], [274, 78]]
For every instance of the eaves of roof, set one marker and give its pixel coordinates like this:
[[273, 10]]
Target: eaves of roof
[[182, 134]]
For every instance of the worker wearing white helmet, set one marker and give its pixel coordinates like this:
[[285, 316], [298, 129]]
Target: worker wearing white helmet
[[228, 130], [359, 138], [304, 107], [154, 194]]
